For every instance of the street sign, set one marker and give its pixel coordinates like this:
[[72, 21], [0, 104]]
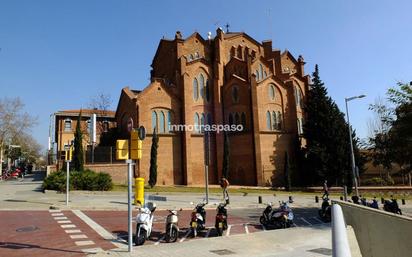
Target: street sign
[[142, 133]]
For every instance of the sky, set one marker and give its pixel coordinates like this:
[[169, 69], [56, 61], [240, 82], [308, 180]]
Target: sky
[[57, 55]]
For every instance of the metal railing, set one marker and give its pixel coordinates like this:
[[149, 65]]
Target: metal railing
[[340, 243]]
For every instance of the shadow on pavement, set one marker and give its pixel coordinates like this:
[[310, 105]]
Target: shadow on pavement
[[17, 246]]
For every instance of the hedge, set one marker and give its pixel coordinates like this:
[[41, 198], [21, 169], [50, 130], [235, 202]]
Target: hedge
[[79, 180]]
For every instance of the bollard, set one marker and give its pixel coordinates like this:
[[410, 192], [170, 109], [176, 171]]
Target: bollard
[[290, 199], [260, 199], [341, 198], [139, 191], [403, 201], [382, 200], [316, 199]]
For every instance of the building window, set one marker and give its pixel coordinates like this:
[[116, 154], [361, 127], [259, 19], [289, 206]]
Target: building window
[[235, 94], [197, 55], [257, 75], [195, 89], [230, 119], [207, 91], [279, 121], [89, 127], [260, 71], [169, 120], [239, 52], [268, 121], [209, 118], [105, 126], [237, 119], [67, 125], [264, 74], [271, 92], [162, 122], [202, 86], [154, 120], [274, 121], [298, 96], [196, 122], [243, 120]]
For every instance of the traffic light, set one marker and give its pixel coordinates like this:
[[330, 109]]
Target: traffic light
[[69, 153], [135, 146], [122, 149]]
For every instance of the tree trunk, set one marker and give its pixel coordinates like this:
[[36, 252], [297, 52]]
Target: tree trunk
[[409, 176]]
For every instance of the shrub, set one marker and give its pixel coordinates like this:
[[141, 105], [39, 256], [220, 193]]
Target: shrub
[[79, 180], [376, 181], [55, 181]]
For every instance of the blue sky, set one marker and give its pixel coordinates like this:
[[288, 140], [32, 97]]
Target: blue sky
[[56, 55]]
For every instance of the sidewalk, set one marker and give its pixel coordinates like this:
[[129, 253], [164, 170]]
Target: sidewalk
[[282, 243]]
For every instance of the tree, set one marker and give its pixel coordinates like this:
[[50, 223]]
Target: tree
[[101, 102], [226, 156], [393, 145], [14, 123], [78, 157], [328, 149], [153, 159]]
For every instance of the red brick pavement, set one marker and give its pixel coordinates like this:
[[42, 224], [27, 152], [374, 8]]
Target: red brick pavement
[[48, 239]]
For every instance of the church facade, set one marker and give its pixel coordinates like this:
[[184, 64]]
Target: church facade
[[230, 79]]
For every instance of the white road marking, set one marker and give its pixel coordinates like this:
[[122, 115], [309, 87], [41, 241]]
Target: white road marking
[[63, 221], [57, 214], [316, 218], [54, 210], [60, 218], [99, 229], [228, 230], [78, 236], [92, 250], [160, 239], [71, 231], [307, 222], [246, 228], [186, 235], [81, 243], [68, 226]]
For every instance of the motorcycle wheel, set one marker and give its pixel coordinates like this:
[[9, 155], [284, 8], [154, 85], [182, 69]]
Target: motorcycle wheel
[[171, 235], [140, 238], [219, 230], [263, 221]]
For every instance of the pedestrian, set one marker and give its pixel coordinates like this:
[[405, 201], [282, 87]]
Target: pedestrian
[[224, 183], [325, 189]]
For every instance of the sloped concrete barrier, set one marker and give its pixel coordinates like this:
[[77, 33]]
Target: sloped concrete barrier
[[379, 233], [340, 244]]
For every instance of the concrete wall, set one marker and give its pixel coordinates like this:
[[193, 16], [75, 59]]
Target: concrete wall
[[379, 233]]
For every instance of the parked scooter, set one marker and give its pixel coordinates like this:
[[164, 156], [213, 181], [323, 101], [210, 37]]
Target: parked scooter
[[172, 227], [221, 218], [279, 218], [374, 204], [392, 206], [325, 211], [144, 220], [198, 219]]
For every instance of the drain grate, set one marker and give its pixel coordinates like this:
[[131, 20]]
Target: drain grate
[[324, 251], [222, 252], [27, 229]]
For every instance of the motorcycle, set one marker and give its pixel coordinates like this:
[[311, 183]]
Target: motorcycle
[[279, 218], [172, 228], [325, 211], [144, 223], [374, 204], [221, 218], [198, 219], [392, 206]]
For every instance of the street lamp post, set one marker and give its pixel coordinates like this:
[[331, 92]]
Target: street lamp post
[[352, 154]]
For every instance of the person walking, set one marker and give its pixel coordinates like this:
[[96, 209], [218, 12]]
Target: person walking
[[325, 189], [224, 183]]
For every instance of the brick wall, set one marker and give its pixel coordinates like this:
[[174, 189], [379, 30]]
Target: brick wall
[[117, 171]]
